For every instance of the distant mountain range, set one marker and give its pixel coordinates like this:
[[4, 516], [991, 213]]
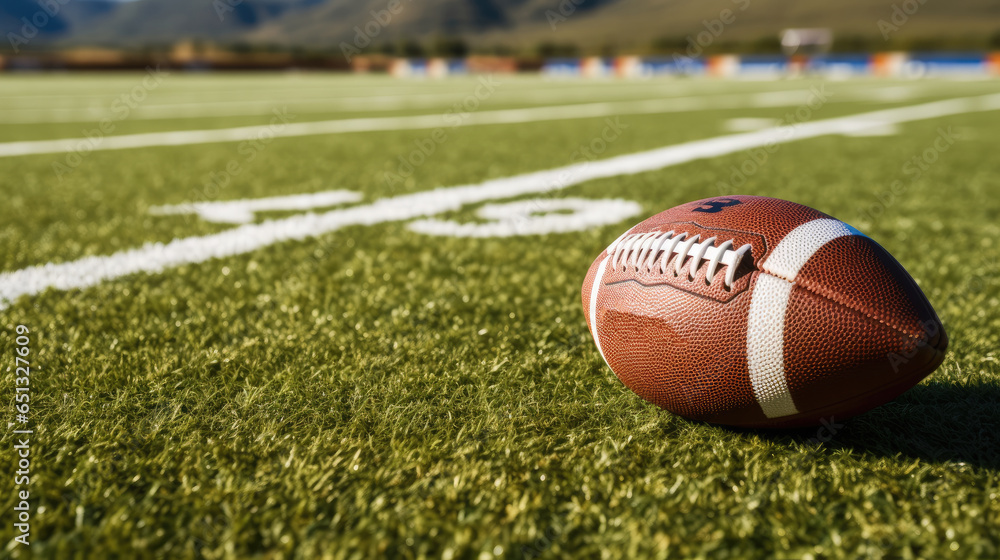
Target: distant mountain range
[[518, 25]]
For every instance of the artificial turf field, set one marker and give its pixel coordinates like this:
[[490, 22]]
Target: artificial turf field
[[374, 391]]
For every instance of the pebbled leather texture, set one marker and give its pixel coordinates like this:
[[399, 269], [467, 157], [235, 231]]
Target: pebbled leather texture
[[848, 331]]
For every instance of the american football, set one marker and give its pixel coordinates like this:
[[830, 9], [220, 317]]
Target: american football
[[757, 312]]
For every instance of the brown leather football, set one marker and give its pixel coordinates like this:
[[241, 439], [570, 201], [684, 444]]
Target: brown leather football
[[757, 312]]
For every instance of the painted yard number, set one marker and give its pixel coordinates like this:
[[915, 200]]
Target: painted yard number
[[538, 216], [713, 206]]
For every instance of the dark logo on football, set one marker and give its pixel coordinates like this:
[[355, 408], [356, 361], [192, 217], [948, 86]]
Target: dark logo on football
[[713, 206]]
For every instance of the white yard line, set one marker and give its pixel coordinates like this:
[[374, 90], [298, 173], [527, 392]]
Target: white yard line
[[156, 257], [251, 107], [242, 211], [331, 85], [373, 124], [336, 89], [202, 108]]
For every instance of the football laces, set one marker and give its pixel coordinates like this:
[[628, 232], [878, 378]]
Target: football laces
[[641, 250]]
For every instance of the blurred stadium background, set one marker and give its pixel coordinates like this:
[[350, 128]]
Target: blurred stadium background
[[440, 37]]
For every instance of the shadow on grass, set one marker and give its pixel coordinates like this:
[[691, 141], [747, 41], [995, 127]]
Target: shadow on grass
[[936, 422]]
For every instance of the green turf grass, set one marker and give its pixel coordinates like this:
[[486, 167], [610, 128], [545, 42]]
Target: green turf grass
[[380, 392]]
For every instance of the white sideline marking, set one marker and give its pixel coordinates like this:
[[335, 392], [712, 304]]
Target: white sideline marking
[[414, 100], [39, 108], [250, 107], [374, 124], [242, 211], [747, 124], [155, 257], [534, 217], [100, 94], [877, 129], [413, 122]]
